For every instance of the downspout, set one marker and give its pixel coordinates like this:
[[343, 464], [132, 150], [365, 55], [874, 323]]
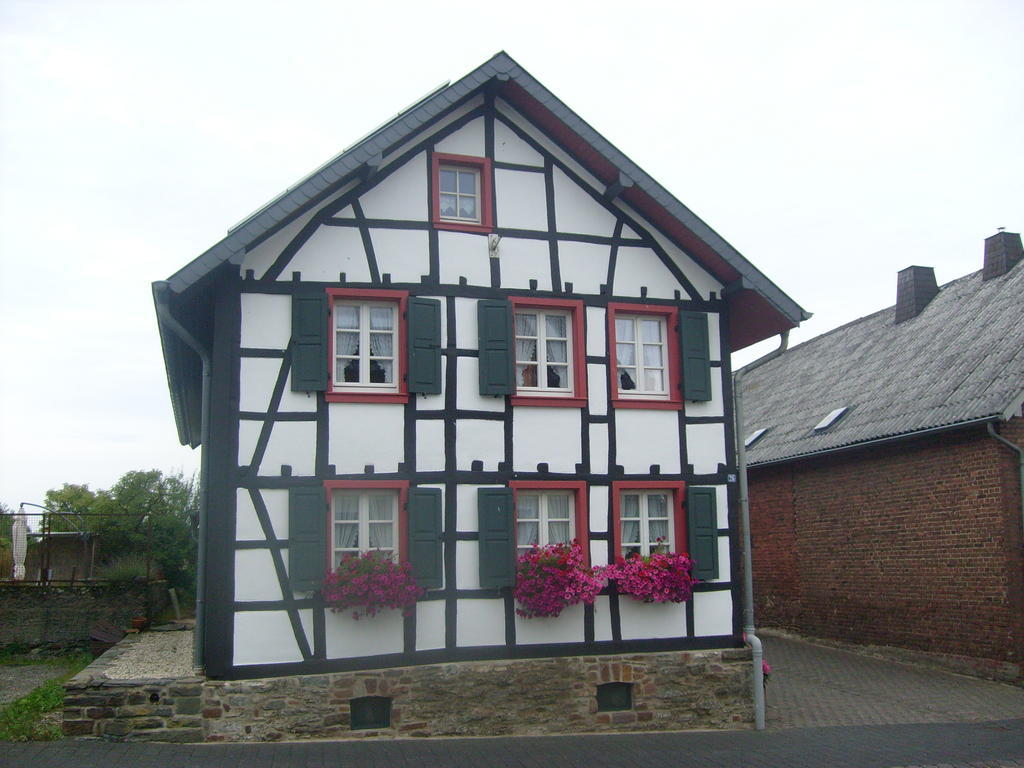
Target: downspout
[[1020, 466], [748, 576], [160, 292]]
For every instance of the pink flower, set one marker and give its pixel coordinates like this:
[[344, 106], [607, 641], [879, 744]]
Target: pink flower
[[658, 578], [553, 577], [369, 583]]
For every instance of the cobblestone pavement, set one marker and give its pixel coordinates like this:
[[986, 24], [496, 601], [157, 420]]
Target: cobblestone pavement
[[828, 708]]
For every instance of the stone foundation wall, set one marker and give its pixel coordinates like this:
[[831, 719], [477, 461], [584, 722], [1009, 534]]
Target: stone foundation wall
[[677, 690]]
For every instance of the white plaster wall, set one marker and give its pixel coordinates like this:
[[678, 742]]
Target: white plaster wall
[[598, 508], [577, 212], [643, 438], [417, 137], [402, 195], [705, 447], [462, 254], [602, 619], [698, 277], [255, 577], [712, 613], [546, 435], [724, 561], [402, 253], [429, 625], [520, 200], [346, 213], [347, 638], [257, 377], [599, 448], [429, 446], [468, 140], [328, 252], [247, 523], [351, 423], [291, 442], [468, 397], [467, 565], [641, 267], [483, 440], [466, 330], [248, 434], [597, 331], [585, 265], [597, 389], [480, 622], [523, 260], [466, 519], [266, 321], [598, 552], [509, 148], [715, 332], [264, 637], [722, 504], [564, 628], [650, 620], [713, 407]]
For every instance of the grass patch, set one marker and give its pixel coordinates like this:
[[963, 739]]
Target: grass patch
[[37, 715]]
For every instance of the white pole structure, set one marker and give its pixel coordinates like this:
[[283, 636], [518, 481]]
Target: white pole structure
[[19, 543]]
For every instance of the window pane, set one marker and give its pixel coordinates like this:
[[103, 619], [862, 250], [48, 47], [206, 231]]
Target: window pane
[[555, 326], [346, 507], [625, 354], [654, 381], [382, 371], [346, 317], [381, 536], [652, 355], [526, 532], [526, 375], [381, 345], [527, 506], [657, 505], [346, 535], [526, 324], [558, 376], [650, 330], [557, 351], [558, 507], [627, 378], [467, 182], [630, 532], [630, 506], [526, 349], [447, 180], [382, 507], [348, 371], [467, 207], [558, 532], [624, 328], [346, 343], [382, 318], [448, 205], [659, 532]]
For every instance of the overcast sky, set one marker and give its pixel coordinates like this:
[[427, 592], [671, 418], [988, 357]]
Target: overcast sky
[[831, 143]]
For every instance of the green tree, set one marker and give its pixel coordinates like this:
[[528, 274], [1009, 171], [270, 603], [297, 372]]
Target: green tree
[[69, 508]]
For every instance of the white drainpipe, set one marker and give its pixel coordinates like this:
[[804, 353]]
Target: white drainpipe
[[748, 576]]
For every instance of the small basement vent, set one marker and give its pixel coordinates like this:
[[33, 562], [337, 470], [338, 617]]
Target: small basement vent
[[370, 712], [754, 436], [614, 697], [831, 419]]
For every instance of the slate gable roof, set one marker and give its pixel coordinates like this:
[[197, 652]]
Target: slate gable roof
[[961, 360]]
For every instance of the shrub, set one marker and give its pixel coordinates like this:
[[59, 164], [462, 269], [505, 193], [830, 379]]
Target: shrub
[[125, 569]]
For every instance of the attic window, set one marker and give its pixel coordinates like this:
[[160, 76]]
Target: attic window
[[831, 419], [754, 436], [461, 192]]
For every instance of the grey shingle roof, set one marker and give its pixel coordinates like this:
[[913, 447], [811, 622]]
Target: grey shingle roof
[[960, 360]]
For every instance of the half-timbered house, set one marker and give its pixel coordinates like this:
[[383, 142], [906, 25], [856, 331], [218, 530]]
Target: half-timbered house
[[478, 328]]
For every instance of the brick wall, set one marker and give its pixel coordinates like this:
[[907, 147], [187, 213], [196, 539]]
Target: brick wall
[[916, 544], [34, 614]]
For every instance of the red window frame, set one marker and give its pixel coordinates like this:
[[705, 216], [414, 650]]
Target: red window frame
[[481, 165], [401, 299], [578, 397], [402, 486], [673, 363], [581, 512], [677, 489]]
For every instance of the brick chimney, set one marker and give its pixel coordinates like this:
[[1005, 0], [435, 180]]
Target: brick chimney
[[1002, 251], [915, 287]]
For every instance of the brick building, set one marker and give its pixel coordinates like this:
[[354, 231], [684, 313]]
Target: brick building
[[885, 501]]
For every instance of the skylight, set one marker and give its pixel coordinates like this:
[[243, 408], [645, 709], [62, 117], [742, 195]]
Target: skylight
[[831, 419], [754, 436]]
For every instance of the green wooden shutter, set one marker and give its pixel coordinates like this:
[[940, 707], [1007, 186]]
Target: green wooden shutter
[[702, 530], [307, 532], [497, 546], [309, 342], [424, 327], [425, 537], [696, 355], [494, 322]]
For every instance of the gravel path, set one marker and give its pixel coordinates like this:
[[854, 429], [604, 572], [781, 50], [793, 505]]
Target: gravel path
[[16, 681], [153, 654]]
